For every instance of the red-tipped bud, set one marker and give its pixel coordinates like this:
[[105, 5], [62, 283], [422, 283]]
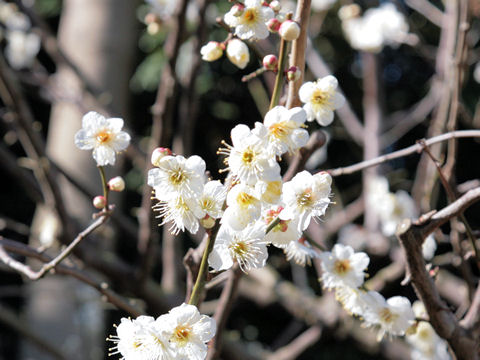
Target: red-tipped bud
[[289, 30], [237, 9], [270, 62], [116, 184], [207, 222], [293, 73], [158, 154], [99, 202], [273, 25]]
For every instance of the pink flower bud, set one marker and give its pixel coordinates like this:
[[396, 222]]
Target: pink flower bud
[[99, 202], [270, 62], [273, 25], [293, 73], [275, 5], [289, 30], [116, 184], [158, 154], [237, 9]]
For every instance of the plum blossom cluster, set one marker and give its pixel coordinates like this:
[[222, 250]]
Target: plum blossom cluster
[[392, 208], [23, 44], [182, 333], [343, 271], [250, 20], [378, 27]]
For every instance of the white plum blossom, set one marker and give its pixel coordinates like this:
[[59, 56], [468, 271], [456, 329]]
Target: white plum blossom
[[343, 267], [352, 300], [179, 211], [393, 316], [282, 233], [237, 53], [21, 49], [425, 343], [212, 51], [243, 207], [251, 22], [248, 158], [104, 136], [269, 192], [300, 251], [176, 175], [138, 339], [210, 202], [186, 332], [306, 196], [247, 248], [285, 132], [377, 28], [321, 98]]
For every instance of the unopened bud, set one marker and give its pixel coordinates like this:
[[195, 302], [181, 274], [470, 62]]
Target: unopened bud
[[273, 25], [99, 202], [116, 184], [207, 222], [275, 5], [212, 51], [270, 62], [237, 9], [153, 28], [150, 18], [158, 154], [289, 30], [293, 73]]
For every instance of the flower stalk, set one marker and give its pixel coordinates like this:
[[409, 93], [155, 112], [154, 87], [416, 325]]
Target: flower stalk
[[104, 185]]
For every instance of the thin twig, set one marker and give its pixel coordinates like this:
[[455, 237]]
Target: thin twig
[[404, 152]]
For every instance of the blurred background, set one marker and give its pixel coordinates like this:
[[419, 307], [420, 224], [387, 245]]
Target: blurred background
[[141, 61]]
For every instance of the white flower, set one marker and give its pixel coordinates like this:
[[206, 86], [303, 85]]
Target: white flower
[[211, 200], [393, 316], [102, 135], [282, 233], [352, 300], [269, 191], [176, 176], [247, 247], [250, 24], [428, 247], [343, 267], [21, 48], [306, 196], [378, 27], [187, 332], [211, 51], [243, 207], [237, 53], [322, 5], [180, 211], [248, 158], [285, 131], [138, 339], [300, 251], [321, 98]]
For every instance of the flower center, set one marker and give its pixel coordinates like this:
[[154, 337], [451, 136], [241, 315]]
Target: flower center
[[177, 177], [239, 249], [279, 130], [208, 204], [137, 344], [250, 16], [181, 334], [244, 199], [341, 267], [248, 156], [104, 136], [320, 98], [387, 316], [305, 199]]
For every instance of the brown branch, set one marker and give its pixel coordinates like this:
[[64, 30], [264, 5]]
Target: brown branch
[[223, 310], [297, 56], [471, 321], [25, 250], [36, 275], [404, 152], [298, 345], [411, 237], [428, 10]]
